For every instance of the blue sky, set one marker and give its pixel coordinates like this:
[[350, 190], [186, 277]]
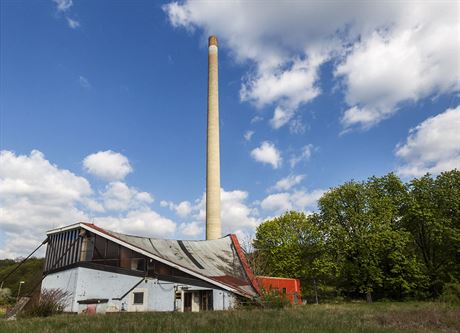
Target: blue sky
[[103, 108]]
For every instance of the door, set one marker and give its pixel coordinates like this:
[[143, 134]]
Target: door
[[188, 301]]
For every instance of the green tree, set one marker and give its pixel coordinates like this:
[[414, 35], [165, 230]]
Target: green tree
[[293, 246], [432, 215], [362, 220]]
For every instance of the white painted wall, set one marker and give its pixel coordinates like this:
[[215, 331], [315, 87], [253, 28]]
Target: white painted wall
[[223, 300], [66, 281], [85, 283]]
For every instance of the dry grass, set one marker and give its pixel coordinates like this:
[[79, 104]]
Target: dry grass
[[342, 318]]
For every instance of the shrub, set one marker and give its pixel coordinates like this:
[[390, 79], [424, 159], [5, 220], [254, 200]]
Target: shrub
[[51, 302], [273, 299], [5, 296], [451, 293]]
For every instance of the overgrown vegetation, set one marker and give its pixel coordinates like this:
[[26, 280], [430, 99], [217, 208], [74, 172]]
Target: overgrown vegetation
[[50, 302], [324, 318], [30, 272], [376, 239]]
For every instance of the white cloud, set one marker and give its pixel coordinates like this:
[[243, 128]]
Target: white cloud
[[385, 53], [182, 209], [304, 155], [406, 64], [288, 182], [236, 214], [248, 135], [433, 146], [119, 196], [144, 223], [107, 165], [288, 88], [74, 24], [192, 229], [297, 200], [84, 81], [267, 153], [63, 5], [36, 195], [277, 202]]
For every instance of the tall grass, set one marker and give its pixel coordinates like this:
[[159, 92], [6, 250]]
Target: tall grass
[[342, 318]]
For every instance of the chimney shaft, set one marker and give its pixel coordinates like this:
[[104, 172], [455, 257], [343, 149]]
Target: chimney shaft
[[213, 226]]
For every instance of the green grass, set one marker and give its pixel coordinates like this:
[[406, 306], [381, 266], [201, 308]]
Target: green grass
[[342, 318]]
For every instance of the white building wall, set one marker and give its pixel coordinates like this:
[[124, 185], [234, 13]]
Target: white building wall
[[84, 283], [223, 300], [66, 281]]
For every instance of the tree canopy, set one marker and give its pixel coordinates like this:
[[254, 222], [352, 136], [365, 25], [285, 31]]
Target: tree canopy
[[379, 238]]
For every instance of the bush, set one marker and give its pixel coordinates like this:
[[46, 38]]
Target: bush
[[273, 299], [5, 296], [51, 302], [451, 293]]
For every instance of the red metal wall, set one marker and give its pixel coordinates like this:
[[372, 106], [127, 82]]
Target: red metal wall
[[290, 287]]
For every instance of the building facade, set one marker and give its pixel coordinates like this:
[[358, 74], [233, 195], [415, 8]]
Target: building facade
[[103, 271]]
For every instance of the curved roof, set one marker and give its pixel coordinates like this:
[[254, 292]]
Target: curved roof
[[220, 261]]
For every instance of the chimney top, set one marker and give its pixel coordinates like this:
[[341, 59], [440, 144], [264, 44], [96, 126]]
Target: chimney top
[[212, 40]]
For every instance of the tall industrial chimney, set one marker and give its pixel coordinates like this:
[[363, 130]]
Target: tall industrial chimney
[[213, 227]]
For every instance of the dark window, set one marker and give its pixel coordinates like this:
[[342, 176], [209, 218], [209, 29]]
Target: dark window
[[113, 254], [138, 298], [284, 291], [99, 248]]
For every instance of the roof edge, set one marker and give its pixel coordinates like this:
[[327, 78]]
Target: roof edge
[[102, 232], [244, 262]]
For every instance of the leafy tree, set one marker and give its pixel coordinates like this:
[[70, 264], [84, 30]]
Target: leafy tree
[[363, 233], [293, 247], [432, 215]]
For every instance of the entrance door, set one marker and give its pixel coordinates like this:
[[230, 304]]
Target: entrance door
[[206, 300], [188, 301]]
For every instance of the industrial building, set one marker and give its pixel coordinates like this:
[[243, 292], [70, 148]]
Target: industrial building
[[105, 271]]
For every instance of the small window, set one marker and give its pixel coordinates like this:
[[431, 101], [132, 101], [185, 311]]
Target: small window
[[138, 298], [284, 291]]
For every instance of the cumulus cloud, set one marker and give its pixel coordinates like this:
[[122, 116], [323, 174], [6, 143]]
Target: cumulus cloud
[[119, 196], [288, 182], [36, 195], [303, 155], [182, 209], [406, 64], [74, 24], [107, 165], [145, 223], [433, 146], [84, 81], [297, 200], [236, 214], [267, 153], [63, 5], [248, 135], [384, 53]]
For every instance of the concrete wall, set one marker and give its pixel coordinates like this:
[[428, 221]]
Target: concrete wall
[[223, 300], [66, 281], [83, 283]]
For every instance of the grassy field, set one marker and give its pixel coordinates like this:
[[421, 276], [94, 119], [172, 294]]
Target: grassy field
[[343, 318]]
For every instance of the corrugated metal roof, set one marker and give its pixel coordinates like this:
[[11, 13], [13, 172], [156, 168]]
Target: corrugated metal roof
[[220, 260], [216, 257]]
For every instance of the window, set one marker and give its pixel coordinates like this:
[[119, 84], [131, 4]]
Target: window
[[284, 291], [138, 298]]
